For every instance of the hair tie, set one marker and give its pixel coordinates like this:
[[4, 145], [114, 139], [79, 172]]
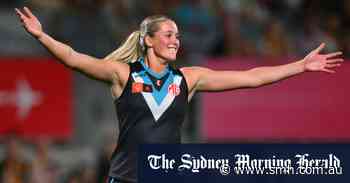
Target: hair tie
[[141, 41]]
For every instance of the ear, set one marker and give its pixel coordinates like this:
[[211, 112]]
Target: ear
[[148, 41]]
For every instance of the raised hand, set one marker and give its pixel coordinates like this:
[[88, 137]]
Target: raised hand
[[315, 61], [30, 22]]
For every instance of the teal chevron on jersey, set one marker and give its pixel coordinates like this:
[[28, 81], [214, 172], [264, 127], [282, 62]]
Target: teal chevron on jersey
[[158, 101]]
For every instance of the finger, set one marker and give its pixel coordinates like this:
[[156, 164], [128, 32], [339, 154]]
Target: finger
[[327, 70], [332, 65], [28, 12], [19, 13], [22, 18], [330, 55], [335, 60], [319, 49], [25, 13]]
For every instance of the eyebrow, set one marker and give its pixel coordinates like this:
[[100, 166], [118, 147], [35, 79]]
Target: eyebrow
[[177, 33]]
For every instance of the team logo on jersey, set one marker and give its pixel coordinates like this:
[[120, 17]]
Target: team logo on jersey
[[159, 82], [174, 89], [136, 87], [147, 88]]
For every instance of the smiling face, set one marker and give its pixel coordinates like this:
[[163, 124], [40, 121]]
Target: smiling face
[[165, 41]]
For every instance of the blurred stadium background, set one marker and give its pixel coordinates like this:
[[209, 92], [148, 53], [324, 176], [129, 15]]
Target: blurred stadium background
[[57, 125]]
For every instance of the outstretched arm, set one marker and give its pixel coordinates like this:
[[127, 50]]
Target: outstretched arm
[[203, 79], [93, 67]]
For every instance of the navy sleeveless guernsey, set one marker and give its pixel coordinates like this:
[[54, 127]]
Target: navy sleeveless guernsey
[[150, 110]]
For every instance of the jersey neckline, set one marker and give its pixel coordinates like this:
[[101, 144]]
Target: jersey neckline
[[151, 72]]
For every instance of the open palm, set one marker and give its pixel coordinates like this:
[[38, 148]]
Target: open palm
[[30, 22], [315, 61]]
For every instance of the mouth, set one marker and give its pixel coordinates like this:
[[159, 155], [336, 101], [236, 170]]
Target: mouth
[[173, 49]]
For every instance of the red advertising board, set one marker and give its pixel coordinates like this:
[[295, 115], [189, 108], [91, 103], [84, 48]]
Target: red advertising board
[[313, 106], [35, 98]]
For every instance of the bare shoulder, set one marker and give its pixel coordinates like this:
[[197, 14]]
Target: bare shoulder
[[189, 72], [193, 75], [120, 70], [120, 76]]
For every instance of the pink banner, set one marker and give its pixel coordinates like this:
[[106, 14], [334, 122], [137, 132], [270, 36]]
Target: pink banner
[[307, 107]]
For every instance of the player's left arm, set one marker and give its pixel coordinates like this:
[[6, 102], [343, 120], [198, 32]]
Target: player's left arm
[[204, 79]]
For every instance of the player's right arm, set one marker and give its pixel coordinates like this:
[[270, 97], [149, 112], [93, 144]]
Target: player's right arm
[[104, 70]]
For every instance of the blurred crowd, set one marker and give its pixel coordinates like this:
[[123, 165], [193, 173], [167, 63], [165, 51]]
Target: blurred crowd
[[211, 27], [208, 28], [37, 162]]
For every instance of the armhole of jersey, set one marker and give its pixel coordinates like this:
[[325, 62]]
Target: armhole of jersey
[[186, 86], [126, 85]]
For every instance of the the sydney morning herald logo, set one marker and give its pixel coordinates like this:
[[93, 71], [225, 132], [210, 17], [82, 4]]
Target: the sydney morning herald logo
[[244, 164]]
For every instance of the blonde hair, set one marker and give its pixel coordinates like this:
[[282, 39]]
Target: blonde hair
[[134, 46]]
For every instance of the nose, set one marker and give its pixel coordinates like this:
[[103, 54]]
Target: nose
[[175, 41]]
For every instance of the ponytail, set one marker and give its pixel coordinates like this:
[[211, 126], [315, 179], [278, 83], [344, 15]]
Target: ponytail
[[129, 51], [134, 47]]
